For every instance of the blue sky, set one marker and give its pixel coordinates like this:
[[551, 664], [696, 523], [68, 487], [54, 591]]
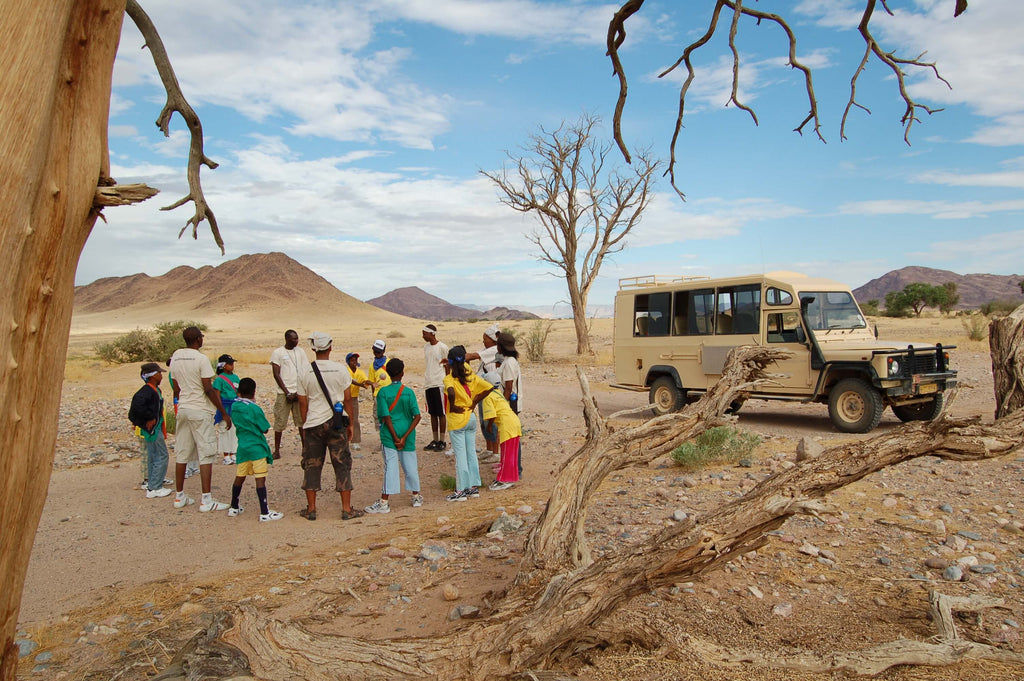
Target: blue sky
[[352, 135]]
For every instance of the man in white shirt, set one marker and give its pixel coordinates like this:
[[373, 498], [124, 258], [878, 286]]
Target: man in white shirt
[[195, 434], [321, 438], [288, 362], [434, 351]]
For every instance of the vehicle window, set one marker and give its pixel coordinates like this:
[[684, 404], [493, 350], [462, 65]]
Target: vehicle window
[[783, 327], [651, 314], [738, 310], [776, 296], [694, 313], [833, 310]]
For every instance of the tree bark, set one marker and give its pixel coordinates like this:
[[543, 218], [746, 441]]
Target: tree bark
[[578, 301], [1006, 342], [56, 60]]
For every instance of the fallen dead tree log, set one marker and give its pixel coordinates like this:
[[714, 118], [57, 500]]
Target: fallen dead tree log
[[548, 616]]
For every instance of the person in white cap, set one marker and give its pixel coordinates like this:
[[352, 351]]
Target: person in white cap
[[317, 410], [487, 357], [378, 375], [434, 352]]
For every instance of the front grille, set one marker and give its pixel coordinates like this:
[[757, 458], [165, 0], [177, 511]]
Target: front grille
[[922, 364]]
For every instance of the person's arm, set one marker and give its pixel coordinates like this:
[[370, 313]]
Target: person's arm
[[507, 389], [452, 407], [479, 397], [303, 407], [280, 381], [350, 407], [412, 428], [213, 395]]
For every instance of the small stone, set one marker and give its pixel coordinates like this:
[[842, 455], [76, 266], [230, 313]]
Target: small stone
[[450, 592], [507, 524], [463, 612], [953, 573], [525, 509], [394, 552], [984, 568], [967, 561], [783, 610], [277, 590], [26, 646], [1006, 636], [755, 592], [104, 630], [828, 555], [443, 519], [809, 549], [745, 463], [47, 656], [890, 502], [936, 563], [918, 576], [394, 587], [188, 609], [956, 542], [1007, 622], [946, 508], [967, 534], [807, 449], [884, 560], [433, 552], [678, 515], [689, 481]]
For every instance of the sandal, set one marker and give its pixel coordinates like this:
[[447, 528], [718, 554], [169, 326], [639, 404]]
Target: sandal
[[307, 514], [354, 513]]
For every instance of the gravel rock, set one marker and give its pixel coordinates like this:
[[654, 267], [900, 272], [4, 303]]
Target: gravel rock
[[450, 593], [807, 449], [433, 552], [967, 534], [936, 563], [983, 569], [26, 646], [463, 612], [506, 524], [953, 573], [783, 610], [678, 515]]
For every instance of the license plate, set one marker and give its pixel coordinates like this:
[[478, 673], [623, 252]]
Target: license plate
[[929, 388]]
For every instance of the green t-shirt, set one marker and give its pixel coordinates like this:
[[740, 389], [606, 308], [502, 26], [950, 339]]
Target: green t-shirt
[[406, 409], [227, 385], [250, 425]]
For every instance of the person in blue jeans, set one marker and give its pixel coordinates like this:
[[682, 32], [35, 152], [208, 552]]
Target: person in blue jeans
[[147, 413], [465, 390], [399, 415]]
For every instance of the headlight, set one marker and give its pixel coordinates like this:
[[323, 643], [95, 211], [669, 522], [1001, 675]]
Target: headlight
[[894, 366]]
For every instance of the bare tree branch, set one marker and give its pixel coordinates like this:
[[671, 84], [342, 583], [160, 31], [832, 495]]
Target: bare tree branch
[[176, 102]]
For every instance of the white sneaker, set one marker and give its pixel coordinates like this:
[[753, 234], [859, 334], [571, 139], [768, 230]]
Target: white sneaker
[[272, 515], [154, 493], [232, 512], [168, 481], [449, 452], [356, 447], [379, 506], [457, 496], [144, 485], [226, 461], [498, 486], [417, 500], [213, 505], [183, 501]]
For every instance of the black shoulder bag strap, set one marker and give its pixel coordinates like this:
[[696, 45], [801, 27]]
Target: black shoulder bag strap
[[320, 380]]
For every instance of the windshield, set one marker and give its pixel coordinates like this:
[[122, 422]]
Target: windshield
[[832, 310]]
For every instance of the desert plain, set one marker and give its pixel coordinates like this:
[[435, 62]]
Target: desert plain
[[117, 582]]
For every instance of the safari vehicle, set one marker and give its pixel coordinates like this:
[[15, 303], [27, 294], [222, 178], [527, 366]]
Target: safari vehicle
[[672, 336]]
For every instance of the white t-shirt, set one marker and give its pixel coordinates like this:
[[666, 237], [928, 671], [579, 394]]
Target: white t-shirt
[[338, 381], [487, 356], [510, 372], [433, 374], [190, 367], [294, 363]]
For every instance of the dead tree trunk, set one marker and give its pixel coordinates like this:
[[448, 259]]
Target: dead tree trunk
[[1006, 341], [542, 622], [56, 59]]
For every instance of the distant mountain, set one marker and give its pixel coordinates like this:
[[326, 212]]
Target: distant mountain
[[249, 282], [974, 289], [413, 301]]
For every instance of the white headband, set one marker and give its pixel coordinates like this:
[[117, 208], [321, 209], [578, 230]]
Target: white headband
[[429, 330], [146, 377]]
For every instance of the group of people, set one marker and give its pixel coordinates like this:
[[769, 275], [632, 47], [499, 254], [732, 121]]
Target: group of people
[[217, 415]]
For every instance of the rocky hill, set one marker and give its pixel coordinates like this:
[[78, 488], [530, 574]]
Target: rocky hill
[[260, 282], [412, 301], [974, 289]]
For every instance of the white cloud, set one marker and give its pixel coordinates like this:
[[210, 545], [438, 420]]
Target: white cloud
[[669, 221], [997, 252], [944, 210], [1014, 179]]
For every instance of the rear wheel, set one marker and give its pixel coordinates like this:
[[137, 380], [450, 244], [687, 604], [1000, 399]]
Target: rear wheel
[[922, 411], [666, 397], [854, 406]]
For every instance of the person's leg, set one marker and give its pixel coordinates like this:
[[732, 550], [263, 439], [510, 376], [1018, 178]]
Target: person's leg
[[472, 462], [341, 460], [462, 474], [156, 457], [261, 494], [509, 470], [313, 453], [281, 411], [184, 448], [297, 420], [357, 432], [392, 483], [410, 467], [206, 444], [144, 461], [236, 491]]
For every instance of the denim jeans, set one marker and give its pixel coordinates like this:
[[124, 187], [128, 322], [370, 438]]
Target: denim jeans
[[467, 467], [392, 482], [156, 450]]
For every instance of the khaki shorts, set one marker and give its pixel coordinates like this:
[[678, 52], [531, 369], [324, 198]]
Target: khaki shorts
[[257, 469], [195, 434], [282, 409]]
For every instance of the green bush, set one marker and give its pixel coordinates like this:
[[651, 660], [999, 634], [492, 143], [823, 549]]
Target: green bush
[[141, 345], [448, 483], [870, 308], [976, 326], [999, 308], [171, 421], [395, 334], [722, 443], [535, 340]]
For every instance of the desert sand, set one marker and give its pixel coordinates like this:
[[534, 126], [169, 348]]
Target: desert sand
[[117, 582]]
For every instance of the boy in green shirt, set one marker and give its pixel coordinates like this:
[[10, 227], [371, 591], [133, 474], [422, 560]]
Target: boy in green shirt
[[399, 415], [254, 456]]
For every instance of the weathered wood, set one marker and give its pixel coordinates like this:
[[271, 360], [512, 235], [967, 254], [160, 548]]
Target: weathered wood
[[122, 195], [1006, 342], [56, 60]]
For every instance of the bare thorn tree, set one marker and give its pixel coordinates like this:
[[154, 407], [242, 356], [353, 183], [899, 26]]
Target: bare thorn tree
[[617, 36], [585, 209]]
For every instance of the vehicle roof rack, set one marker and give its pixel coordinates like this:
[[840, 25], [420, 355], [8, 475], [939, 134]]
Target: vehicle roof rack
[[651, 280]]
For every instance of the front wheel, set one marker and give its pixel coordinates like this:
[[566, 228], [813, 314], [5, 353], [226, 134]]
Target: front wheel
[[854, 406], [922, 411], [665, 396]]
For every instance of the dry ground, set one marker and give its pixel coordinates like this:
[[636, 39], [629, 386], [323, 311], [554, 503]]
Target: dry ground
[[117, 582]]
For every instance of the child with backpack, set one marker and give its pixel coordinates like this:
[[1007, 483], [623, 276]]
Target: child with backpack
[[253, 456]]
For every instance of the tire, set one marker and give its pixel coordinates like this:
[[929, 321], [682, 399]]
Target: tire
[[854, 406], [665, 396], [923, 411]]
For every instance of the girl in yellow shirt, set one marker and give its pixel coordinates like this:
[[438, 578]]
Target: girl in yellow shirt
[[464, 390]]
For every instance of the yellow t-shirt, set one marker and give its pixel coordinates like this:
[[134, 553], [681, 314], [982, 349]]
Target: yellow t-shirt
[[358, 377], [496, 407], [463, 399], [380, 379]]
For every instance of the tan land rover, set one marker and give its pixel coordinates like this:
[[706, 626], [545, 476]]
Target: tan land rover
[[672, 335]]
